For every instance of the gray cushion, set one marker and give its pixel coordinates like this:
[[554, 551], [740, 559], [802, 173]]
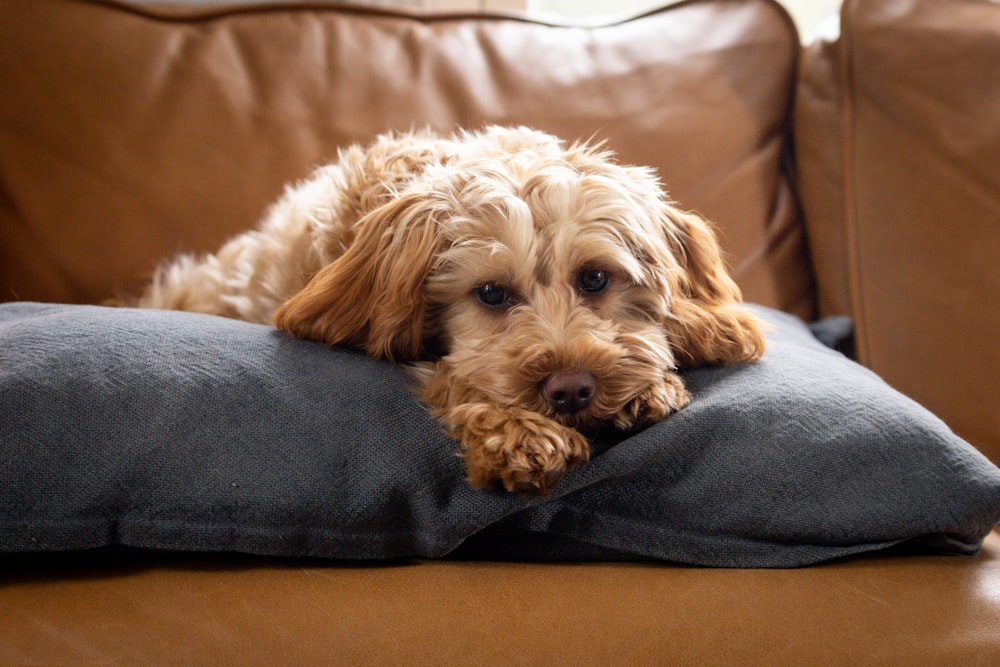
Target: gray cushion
[[169, 430]]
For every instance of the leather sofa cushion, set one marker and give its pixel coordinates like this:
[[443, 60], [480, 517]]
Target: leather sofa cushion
[[898, 148], [206, 610], [168, 430], [127, 135]]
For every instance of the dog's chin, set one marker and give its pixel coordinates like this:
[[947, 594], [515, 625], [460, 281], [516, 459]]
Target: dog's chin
[[589, 421], [589, 426]]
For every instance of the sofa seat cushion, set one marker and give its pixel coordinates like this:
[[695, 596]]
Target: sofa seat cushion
[[167, 430], [191, 609]]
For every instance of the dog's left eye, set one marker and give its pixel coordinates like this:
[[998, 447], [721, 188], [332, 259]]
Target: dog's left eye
[[494, 295], [593, 281]]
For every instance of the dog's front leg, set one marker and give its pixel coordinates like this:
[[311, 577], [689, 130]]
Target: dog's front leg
[[524, 451]]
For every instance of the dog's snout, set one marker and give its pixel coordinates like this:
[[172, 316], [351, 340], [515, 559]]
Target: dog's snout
[[569, 391]]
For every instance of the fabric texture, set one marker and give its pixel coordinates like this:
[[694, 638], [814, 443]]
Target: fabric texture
[[170, 430]]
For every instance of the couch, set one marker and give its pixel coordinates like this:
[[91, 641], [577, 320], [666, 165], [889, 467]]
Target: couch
[[851, 178]]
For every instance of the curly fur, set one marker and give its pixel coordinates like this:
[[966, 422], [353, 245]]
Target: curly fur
[[390, 248]]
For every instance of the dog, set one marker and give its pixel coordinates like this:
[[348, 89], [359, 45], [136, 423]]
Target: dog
[[537, 289]]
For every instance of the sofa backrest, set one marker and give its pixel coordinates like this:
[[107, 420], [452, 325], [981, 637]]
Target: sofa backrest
[[898, 147], [128, 135]]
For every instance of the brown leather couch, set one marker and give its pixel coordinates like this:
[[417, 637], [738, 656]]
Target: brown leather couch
[[856, 176]]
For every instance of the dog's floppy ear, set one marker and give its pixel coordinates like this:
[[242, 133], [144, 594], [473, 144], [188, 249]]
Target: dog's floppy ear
[[372, 296], [707, 323]]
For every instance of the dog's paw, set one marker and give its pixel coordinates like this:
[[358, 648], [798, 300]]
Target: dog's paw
[[655, 403], [522, 451]]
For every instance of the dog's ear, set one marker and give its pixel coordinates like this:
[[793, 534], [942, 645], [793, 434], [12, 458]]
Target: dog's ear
[[707, 323], [372, 296]]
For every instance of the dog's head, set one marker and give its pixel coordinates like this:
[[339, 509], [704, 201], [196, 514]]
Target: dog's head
[[537, 275]]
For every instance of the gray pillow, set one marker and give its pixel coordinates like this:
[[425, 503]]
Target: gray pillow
[[169, 430]]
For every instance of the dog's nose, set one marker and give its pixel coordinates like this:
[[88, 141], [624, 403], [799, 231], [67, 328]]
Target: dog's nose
[[569, 391]]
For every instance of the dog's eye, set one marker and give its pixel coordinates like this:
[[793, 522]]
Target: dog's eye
[[593, 281], [493, 295]]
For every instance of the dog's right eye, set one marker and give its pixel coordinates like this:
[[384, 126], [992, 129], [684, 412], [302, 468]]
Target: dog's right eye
[[593, 281], [493, 295]]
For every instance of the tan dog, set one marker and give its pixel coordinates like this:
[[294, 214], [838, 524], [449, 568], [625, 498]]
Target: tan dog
[[538, 288]]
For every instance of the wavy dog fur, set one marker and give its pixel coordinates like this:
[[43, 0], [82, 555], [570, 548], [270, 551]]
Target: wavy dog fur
[[537, 288]]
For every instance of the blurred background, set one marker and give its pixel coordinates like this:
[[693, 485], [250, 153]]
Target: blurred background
[[808, 14]]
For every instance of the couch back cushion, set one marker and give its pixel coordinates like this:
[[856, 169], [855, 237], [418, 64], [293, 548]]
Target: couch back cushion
[[128, 135], [899, 152]]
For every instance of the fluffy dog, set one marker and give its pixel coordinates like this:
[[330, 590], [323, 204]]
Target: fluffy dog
[[538, 289]]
